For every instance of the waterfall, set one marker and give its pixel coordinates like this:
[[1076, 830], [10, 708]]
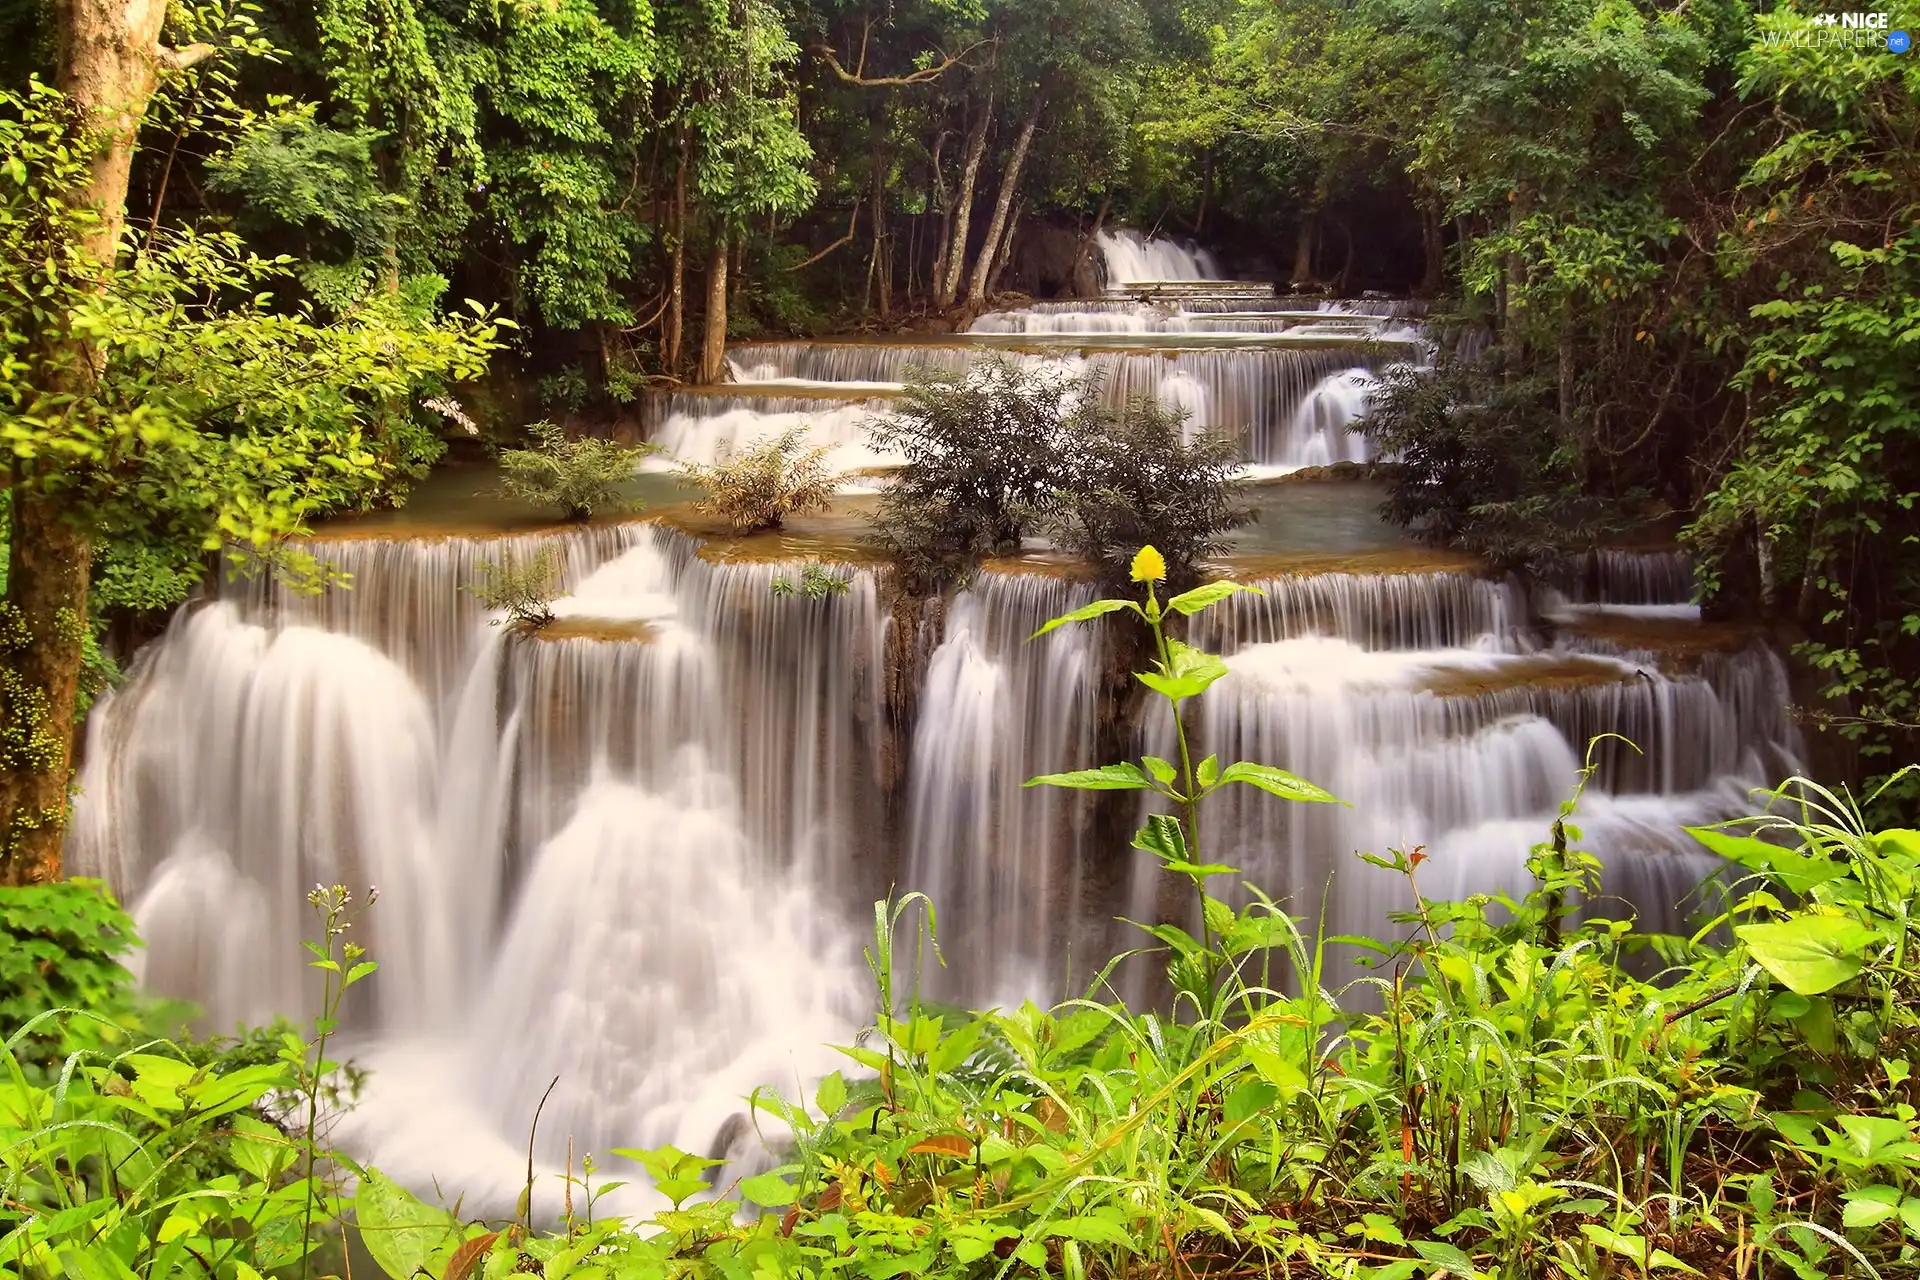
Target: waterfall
[[628, 850], [1133, 258], [1004, 864]]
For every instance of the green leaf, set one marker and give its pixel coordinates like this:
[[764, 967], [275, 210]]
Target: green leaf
[[1869, 1206], [1192, 602], [1208, 773], [1187, 673], [1794, 871], [400, 1232], [1250, 1099], [1086, 613], [1276, 782], [769, 1190], [831, 1095], [1163, 771], [1110, 777], [1449, 1258], [1163, 837], [1809, 954]]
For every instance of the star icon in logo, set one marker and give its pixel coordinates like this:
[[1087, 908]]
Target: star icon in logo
[[1825, 20]]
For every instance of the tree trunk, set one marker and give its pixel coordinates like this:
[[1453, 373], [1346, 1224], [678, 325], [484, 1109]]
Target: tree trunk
[[1302, 272], [108, 64], [1086, 244], [1004, 254], [677, 278], [1009, 183], [713, 351], [1436, 251], [956, 262]]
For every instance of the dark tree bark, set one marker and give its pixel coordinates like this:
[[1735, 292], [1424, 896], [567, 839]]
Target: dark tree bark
[[109, 60], [713, 350]]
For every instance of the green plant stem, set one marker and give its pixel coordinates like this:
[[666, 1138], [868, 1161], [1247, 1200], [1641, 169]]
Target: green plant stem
[[1190, 791]]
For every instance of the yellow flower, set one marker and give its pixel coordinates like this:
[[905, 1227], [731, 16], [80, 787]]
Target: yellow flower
[[1149, 566]]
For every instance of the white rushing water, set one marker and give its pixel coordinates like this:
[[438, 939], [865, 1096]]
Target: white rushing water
[[1285, 377], [1131, 258], [629, 857]]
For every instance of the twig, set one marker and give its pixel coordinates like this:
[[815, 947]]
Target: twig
[[527, 1203]]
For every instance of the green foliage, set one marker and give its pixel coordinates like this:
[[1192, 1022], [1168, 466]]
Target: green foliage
[[1132, 475], [759, 488], [213, 415], [1480, 465], [817, 582], [999, 452], [141, 1159], [580, 476], [60, 949], [523, 586], [980, 467]]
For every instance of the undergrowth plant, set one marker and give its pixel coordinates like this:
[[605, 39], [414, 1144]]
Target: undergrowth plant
[[522, 586], [761, 486], [144, 1159], [582, 477]]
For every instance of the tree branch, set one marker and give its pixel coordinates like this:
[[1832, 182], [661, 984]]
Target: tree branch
[[181, 59], [922, 76], [852, 220]]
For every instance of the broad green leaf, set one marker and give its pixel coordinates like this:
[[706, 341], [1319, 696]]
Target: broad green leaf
[[769, 1190], [1162, 770], [1187, 673], [1092, 1229], [1809, 954], [1208, 773], [1795, 871], [1192, 602], [1086, 613], [1109, 777], [1250, 1099], [401, 1233], [1163, 837], [831, 1095], [1451, 1259], [1276, 782], [1869, 1206]]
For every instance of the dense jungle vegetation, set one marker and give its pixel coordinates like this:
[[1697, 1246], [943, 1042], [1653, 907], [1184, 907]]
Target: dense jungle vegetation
[[260, 263]]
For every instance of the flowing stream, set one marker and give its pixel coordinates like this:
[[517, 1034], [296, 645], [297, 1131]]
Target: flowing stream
[[635, 853]]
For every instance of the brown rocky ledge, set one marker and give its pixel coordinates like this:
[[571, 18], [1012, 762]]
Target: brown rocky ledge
[[614, 630], [1386, 560], [1547, 671]]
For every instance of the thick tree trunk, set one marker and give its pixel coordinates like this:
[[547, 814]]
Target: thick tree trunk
[[677, 277], [1087, 242], [41, 630], [109, 60], [1009, 183], [1302, 272], [713, 351], [955, 266]]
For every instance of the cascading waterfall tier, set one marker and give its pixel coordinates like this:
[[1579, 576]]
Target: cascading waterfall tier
[[1287, 378], [625, 851]]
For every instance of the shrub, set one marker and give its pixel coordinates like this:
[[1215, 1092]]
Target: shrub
[[817, 582], [760, 488], [982, 454], [60, 948], [1133, 477], [524, 586], [580, 477], [1483, 465]]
